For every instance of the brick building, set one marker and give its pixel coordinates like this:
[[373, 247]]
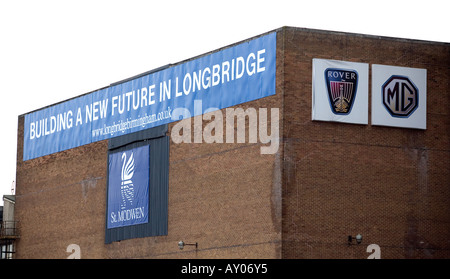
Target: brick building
[[327, 180]]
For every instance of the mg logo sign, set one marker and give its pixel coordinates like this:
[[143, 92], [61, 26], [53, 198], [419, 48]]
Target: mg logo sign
[[400, 96]]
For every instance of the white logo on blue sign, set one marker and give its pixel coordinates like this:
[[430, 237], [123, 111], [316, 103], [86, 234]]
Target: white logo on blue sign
[[128, 187]]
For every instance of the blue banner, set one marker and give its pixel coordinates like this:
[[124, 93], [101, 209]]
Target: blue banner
[[229, 77], [128, 187]]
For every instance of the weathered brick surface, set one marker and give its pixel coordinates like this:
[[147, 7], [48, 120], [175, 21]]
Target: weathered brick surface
[[389, 184], [225, 196], [327, 181]]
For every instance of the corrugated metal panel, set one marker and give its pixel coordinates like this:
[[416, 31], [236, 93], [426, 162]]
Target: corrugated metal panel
[[158, 188], [148, 134], [159, 192]]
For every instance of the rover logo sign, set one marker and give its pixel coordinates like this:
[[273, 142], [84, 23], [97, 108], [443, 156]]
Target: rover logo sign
[[128, 187], [400, 96], [340, 91], [341, 88]]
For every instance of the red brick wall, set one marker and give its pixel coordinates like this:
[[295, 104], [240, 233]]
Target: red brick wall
[[224, 196], [391, 185]]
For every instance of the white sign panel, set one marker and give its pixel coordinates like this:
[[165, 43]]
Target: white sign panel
[[340, 91], [399, 96]]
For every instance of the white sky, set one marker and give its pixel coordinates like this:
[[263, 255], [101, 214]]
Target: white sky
[[51, 51]]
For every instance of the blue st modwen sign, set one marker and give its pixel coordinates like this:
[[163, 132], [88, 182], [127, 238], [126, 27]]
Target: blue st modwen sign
[[128, 187]]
